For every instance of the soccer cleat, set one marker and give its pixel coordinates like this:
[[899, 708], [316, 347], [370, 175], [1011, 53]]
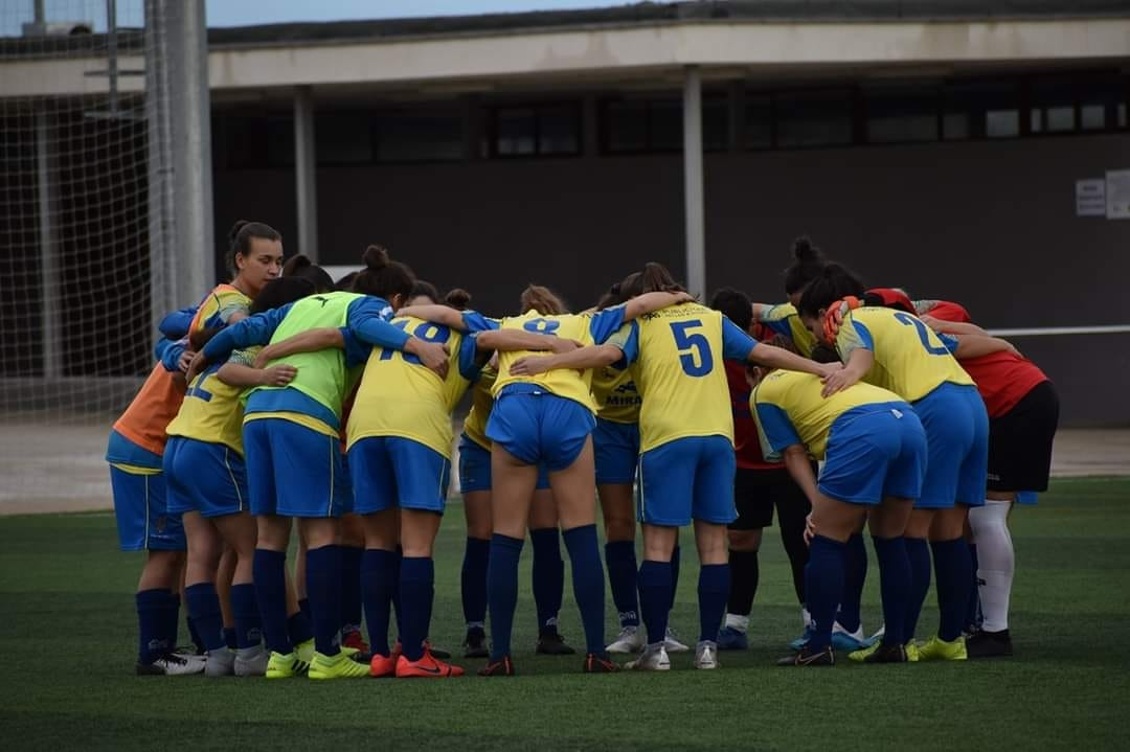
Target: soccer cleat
[[848, 641], [805, 657], [353, 640], [339, 666], [383, 666], [502, 667], [936, 649], [171, 664], [251, 661], [443, 655], [281, 666], [879, 653], [630, 640], [595, 664], [427, 667], [475, 644], [989, 645], [798, 644], [219, 663], [551, 642], [911, 651], [305, 651], [672, 644], [731, 639], [706, 655], [654, 658]]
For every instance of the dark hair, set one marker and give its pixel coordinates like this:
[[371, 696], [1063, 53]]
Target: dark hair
[[808, 261], [458, 299], [542, 300], [735, 306], [383, 277], [302, 266], [835, 281], [614, 295], [825, 354], [278, 292], [345, 284], [653, 278], [239, 240], [427, 289]]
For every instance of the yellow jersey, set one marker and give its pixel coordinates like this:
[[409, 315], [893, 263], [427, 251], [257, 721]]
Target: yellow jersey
[[783, 319], [217, 309], [790, 409], [212, 411], [482, 401], [616, 396], [676, 361], [400, 396], [910, 359]]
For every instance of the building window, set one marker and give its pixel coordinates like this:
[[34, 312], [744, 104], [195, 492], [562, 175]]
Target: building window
[[809, 119], [758, 122], [981, 109], [418, 136], [551, 129], [902, 115], [258, 142], [343, 138], [656, 125]]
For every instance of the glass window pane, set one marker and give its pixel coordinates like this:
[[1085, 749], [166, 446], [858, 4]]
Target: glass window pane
[[758, 123], [1061, 119], [1035, 120], [627, 126], [343, 138], [1101, 98], [1092, 117], [517, 132], [990, 108], [902, 116], [419, 136], [1002, 123], [559, 130], [666, 125], [813, 119], [955, 126], [1122, 116]]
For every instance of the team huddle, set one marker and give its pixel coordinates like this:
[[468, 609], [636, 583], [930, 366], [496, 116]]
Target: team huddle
[[285, 400]]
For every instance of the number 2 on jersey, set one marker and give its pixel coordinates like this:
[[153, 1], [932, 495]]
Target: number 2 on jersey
[[694, 348], [923, 333], [426, 331]]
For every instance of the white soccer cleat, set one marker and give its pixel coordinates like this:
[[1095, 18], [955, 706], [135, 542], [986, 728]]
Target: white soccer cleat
[[672, 644], [654, 658], [219, 663], [252, 661], [706, 655], [172, 665], [630, 640]]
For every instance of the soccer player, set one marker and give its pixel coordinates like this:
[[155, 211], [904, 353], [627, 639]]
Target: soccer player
[[686, 444], [291, 439], [874, 449], [759, 486]]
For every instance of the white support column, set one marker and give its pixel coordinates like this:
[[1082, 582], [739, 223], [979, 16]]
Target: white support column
[[305, 173], [50, 268], [692, 181]]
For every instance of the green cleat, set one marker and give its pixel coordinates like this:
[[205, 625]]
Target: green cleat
[[339, 666], [281, 666], [936, 649]]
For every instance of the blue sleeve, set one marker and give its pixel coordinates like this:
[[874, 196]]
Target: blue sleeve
[[949, 341], [468, 355], [474, 321], [866, 341], [366, 319], [253, 330], [776, 427], [605, 323], [175, 325], [356, 352], [631, 347], [778, 326], [736, 344], [169, 352]]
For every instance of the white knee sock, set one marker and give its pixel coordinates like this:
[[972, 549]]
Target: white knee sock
[[996, 561]]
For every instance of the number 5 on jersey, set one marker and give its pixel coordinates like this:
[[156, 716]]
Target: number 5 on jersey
[[694, 348]]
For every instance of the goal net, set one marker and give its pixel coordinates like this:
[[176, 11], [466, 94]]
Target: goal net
[[76, 325]]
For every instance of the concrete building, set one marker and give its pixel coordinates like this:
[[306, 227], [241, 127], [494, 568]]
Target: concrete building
[[934, 145]]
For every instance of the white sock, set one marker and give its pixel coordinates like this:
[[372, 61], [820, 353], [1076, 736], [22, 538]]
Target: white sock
[[805, 617], [996, 561], [737, 622]]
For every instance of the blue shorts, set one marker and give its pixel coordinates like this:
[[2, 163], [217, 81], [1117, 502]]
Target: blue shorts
[[538, 427], [390, 472], [292, 471], [343, 486], [203, 477], [957, 440], [616, 447], [140, 500], [474, 468], [874, 452], [687, 479]]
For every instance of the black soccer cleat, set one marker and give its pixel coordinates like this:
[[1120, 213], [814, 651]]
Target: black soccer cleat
[[551, 642], [826, 657], [475, 644], [989, 645], [887, 654]]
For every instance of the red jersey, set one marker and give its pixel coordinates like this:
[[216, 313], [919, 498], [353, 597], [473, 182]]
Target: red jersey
[[747, 446]]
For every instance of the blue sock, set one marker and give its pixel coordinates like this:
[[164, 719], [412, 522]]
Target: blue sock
[[378, 568], [473, 582], [351, 587], [502, 591], [300, 628], [676, 557], [549, 576], [951, 568], [855, 575], [248, 625], [170, 618], [823, 588], [620, 556], [151, 606], [417, 589], [894, 586], [588, 584], [229, 637], [304, 607], [204, 607], [269, 572], [396, 592], [713, 593], [918, 553], [973, 617], [192, 633], [655, 597], [323, 583]]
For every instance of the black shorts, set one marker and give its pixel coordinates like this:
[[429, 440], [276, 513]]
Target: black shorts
[[757, 491], [1020, 442]]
